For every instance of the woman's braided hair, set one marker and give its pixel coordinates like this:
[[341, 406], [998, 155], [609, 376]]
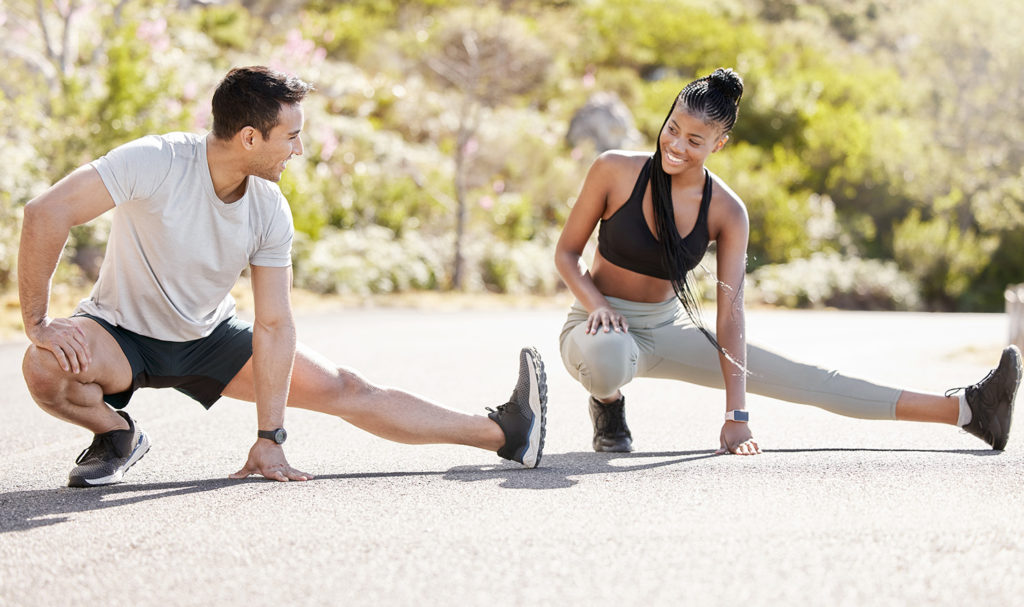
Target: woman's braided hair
[[715, 99]]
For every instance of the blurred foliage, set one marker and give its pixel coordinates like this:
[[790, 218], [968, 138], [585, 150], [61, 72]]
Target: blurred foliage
[[827, 279], [944, 259], [878, 145]]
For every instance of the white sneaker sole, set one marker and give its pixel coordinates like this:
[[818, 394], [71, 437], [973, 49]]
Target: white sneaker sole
[[539, 407]]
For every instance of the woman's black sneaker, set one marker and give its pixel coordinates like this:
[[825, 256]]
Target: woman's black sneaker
[[524, 417], [991, 400], [109, 456], [611, 433]]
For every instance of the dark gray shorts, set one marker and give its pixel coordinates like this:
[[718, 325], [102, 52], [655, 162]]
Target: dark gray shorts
[[200, 368]]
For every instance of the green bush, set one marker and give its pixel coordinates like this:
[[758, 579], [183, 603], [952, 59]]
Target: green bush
[[523, 267], [833, 281], [786, 221], [373, 260], [943, 258]]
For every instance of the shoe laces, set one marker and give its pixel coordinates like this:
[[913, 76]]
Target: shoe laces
[[101, 445], [504, 409], [611, 418], [971, 391]]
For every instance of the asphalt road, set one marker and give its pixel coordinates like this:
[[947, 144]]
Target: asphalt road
[[837, 511]]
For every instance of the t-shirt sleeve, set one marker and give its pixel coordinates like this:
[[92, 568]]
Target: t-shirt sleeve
[[136, 169], [275, 249]]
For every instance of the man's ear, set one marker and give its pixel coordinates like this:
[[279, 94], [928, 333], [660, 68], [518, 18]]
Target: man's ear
[[248, 136], [720, 144]]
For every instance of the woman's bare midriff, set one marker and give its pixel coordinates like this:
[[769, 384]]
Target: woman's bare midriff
[[614, 281]]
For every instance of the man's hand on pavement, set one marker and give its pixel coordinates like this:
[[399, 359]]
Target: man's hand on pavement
[[267, 459]]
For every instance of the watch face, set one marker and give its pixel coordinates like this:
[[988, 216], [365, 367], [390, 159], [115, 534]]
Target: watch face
[[280, 435]]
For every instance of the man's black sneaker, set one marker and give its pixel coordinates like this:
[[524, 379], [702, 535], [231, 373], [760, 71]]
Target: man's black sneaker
[[524, 416], [109, 456], [611, 433], [991, 400]]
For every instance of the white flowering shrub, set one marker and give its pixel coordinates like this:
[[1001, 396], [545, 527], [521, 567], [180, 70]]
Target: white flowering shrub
[[369, 260], [826, 279]]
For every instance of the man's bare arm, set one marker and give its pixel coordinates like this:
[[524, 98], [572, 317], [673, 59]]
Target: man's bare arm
[[273, 345], [78, 198]]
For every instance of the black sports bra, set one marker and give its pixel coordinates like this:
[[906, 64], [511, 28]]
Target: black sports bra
[[626, 240]]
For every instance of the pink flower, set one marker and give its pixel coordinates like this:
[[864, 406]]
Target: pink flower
[[154, 33], [328, 143]]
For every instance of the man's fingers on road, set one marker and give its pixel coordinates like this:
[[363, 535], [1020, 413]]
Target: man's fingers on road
[[298, 475], [748, 448], [245, 472]]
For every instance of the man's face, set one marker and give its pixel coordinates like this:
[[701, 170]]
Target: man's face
[[272, 154]]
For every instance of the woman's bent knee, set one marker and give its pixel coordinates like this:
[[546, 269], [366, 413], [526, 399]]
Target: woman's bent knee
[[603, 362]]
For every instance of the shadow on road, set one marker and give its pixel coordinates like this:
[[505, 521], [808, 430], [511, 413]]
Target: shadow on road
[[975, 452], [24, 510], [556, 469]]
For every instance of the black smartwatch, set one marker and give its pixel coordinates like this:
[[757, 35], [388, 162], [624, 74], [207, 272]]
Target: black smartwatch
[[278, 436]]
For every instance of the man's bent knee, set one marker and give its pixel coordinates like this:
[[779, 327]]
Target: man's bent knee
[[43, 375], [336, 391], [351, 386]]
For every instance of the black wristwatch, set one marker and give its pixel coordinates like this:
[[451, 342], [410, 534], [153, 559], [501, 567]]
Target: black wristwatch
[[278, 436]]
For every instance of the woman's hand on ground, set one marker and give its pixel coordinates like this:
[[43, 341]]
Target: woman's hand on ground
[[737, 438], [607, 319]]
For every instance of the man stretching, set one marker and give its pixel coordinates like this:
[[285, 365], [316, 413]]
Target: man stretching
[[190, 213]]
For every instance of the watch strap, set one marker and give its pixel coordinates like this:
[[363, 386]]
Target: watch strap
[[278, 435]]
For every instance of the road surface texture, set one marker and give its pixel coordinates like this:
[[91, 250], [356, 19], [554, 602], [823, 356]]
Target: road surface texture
[[838, 511]]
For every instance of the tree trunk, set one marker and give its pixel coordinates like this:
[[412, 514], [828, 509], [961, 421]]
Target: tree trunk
[[1015, 311], [467, 130], [459, 265]]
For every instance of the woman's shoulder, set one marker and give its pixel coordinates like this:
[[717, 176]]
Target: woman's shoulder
[[727, 203], [623, 158], [619, 164], [723, 192]]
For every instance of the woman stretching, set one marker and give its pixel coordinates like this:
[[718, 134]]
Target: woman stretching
[[636, 315]]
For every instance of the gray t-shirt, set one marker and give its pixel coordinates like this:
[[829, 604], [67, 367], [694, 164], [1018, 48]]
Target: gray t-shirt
[[175, 249]]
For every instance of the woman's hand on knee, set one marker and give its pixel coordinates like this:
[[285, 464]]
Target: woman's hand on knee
[[737, 438], [606, 319]]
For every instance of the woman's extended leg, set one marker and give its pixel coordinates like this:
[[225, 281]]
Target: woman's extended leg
[[985, 409]]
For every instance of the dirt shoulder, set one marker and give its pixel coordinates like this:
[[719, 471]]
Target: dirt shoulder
[[64, 298]]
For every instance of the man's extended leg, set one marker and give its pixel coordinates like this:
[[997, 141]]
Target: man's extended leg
[[390, 413]]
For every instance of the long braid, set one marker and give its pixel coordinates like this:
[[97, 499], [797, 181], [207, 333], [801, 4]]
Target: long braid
[[715, 98]]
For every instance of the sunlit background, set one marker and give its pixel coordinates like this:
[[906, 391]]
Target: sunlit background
[[879, 146]]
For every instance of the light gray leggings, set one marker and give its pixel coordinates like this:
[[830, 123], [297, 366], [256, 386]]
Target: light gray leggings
[[662, 342]]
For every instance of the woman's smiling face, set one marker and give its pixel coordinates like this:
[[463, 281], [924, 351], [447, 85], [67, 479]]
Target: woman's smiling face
[[687, 140]]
